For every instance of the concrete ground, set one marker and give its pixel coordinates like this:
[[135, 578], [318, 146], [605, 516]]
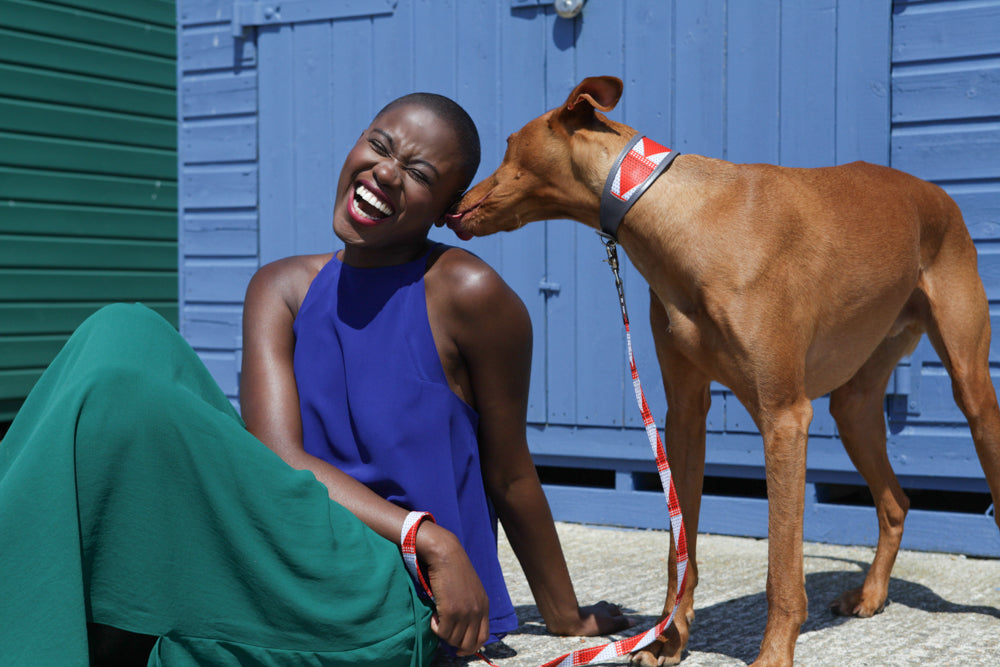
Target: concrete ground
[[944, 609]]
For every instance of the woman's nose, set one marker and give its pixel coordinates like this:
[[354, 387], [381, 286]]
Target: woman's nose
[[387, 172]]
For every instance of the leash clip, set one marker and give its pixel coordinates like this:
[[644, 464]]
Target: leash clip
[[611, 247]]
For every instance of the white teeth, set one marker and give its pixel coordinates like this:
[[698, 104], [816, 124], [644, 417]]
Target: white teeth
[[371, 199]]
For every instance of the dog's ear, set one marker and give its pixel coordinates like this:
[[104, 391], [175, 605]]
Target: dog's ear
[[595, 92], [600, 92]]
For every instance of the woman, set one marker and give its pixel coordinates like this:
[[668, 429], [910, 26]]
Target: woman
[[394, 371]]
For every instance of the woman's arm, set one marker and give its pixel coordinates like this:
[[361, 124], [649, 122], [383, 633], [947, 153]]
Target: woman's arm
[[269, 401], [495, 341]]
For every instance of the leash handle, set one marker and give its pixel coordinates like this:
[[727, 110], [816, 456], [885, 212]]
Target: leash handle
[[408, 546], [625, 646]]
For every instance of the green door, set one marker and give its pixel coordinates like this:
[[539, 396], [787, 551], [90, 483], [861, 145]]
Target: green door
[[88, 172]]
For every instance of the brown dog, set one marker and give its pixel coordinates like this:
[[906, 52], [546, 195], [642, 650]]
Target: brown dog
[[784, 285]]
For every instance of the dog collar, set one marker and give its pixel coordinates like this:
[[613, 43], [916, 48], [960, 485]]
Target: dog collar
[[637, 166]]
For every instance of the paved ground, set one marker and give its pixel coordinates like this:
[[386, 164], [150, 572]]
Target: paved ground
[[944, 609]]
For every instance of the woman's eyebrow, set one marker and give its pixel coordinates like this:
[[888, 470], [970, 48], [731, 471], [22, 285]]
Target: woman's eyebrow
[[392, 146]]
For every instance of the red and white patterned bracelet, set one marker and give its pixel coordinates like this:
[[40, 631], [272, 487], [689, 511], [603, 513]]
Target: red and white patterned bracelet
[[408, 545]]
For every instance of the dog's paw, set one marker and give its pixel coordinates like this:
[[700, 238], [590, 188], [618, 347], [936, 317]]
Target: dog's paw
[[855, 603], [646, 658], [656, 654]]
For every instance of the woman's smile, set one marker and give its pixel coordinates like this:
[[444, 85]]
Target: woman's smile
[[368, 206]]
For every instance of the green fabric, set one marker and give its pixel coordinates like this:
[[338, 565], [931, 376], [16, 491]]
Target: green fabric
[[131, 495]]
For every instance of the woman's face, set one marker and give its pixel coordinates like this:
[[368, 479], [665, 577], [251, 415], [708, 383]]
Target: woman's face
[[401, 176]]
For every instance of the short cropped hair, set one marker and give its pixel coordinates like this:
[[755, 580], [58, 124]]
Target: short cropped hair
[[452, 113]]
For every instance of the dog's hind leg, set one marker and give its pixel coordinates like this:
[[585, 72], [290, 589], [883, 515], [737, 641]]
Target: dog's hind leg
[[688, 400], [858, 408], [959, 328]]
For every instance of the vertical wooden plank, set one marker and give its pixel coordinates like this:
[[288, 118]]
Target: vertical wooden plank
[[315, 173], [752, 83], [600, 360], [863, 64], [700, 44], [521, 77], [435, 51], [473, 83], [351, 87], [563, 334], [394, 69], [277, 141], [808, 69], [648, 101]]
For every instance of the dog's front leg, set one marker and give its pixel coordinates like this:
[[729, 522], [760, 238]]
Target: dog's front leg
[[688, 401], [785, 430]]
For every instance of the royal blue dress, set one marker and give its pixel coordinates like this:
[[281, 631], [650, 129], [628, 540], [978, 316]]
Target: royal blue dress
[[376, 404]]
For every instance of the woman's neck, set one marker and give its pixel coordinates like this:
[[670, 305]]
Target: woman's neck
[[361, 257]]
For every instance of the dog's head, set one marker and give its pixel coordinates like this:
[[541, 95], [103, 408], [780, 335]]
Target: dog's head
[[554, 166]]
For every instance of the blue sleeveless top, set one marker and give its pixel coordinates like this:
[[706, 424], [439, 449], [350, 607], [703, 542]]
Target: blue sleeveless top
[[375, 403]]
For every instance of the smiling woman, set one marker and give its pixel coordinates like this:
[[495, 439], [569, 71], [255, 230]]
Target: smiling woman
[[390, 377], [396, 370]]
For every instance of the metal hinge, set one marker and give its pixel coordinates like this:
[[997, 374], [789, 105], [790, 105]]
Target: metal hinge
[[548, 288], [904, 388]]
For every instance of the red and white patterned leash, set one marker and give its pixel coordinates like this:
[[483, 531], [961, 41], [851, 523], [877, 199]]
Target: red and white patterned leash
[[628, 645]]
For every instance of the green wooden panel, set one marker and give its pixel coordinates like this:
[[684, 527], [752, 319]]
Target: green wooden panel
[[88, 221], [46, 52], [88, 172], [67, 23], [160, 12], [81, 285], [63, 318], [31, 352], [36, 185], [52, 120], [17, 251], [84, 91], [86, 156], [15, 384]]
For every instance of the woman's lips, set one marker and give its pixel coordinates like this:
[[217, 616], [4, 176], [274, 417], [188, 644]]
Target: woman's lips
[[368, 206]]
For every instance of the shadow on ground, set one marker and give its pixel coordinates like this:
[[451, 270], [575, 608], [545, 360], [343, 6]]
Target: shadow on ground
[[734, 627]]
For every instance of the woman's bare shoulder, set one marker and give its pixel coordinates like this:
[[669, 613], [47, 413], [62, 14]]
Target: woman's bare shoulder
[[470, 289], [287, 278]]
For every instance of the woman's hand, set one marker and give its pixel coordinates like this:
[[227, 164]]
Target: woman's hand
[[462, 616], [602, 618]]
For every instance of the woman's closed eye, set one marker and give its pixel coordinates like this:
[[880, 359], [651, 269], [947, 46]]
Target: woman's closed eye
[[418, 175]]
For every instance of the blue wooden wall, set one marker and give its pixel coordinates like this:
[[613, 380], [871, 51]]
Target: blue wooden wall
[[272, 95]]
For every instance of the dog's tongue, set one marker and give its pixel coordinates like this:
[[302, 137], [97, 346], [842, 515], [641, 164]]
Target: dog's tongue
[[454, 221]]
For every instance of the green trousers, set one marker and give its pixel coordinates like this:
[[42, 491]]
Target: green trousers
[[131, 495]]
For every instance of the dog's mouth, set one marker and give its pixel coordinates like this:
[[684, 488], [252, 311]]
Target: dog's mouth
[[457, 221], [454, 222]]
